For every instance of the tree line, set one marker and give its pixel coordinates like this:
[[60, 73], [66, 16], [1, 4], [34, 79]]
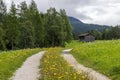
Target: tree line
[[25, 27], [107, 34]]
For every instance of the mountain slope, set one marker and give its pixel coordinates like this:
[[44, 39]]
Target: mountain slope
[[80, 27]]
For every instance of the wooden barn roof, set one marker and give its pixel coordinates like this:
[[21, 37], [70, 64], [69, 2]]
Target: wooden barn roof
[[85, 34]]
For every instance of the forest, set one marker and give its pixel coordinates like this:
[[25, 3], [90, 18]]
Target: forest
[[23, 26], [107, 34]]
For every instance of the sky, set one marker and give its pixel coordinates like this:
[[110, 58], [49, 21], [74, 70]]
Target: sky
[[103, 12]]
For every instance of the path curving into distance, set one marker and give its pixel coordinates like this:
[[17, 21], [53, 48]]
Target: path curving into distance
[[30, 68], [92, 74]]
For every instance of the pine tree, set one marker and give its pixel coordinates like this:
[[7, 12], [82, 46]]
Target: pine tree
[[3, 12], [26, 27], [67, 26], [54, 28], [2, 43], [12, 31], [38, 25], [23, 11], [27, 35]]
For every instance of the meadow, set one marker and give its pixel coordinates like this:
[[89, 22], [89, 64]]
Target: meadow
[[10, 61], [102, 56], [54, 67]]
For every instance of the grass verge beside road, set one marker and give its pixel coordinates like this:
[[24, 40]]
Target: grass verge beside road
[[10, 61], [103, 56]]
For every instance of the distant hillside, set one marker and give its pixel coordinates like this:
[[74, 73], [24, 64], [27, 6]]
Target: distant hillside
[[80, 27]]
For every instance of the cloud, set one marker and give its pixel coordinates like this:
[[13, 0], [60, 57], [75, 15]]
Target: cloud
[[104, 12]]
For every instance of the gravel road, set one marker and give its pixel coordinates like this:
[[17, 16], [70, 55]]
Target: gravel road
[[30, 68], [92, 74]]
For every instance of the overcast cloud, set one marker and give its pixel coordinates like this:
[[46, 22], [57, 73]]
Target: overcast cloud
[[105, 12]]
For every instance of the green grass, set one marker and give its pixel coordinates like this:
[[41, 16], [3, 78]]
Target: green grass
[[53, 67], [103, 56], [10, 61]]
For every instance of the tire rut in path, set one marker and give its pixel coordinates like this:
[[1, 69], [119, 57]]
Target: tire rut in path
[[30, 68], [91, 74]]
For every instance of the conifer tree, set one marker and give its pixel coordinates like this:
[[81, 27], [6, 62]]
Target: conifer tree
[[37, 22], [67, 26], [23, 10], [54, 26], [3, 12], [27, 35], [2, 43], [26, 27], [12, 30]]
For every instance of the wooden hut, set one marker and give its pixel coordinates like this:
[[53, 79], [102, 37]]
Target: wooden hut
[[86, 37]]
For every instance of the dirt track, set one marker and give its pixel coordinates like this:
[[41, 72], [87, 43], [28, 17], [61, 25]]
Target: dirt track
[[92, 74], [30, 68]]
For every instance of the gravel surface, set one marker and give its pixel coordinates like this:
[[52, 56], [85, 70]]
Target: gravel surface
[[92, 74], [30, 68]]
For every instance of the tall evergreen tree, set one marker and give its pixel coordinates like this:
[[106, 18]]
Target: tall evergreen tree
[[26, 35], [115, 32], [67, 26], [3, 12], [26, 27], [12, 31], [2, 24], [38, 25], [23, 10], [2, 43], [54, 28]]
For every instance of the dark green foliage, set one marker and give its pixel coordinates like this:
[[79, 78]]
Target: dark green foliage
[[2, 43], [115, 70], [96, 34], [115, 32], [38, 25], [26, 27], [112, 33], [26, 39], [3, 12], [58, 28], [54, 28], [107, 34], [12, 30], [67, 26], [23, 10]]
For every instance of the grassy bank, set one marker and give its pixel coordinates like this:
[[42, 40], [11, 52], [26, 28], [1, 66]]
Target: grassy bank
[[12, 60], [53, 67], [103, 56]]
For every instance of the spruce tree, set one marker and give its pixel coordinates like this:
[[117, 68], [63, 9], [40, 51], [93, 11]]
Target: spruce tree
[[3, 12], [26, 35], [67, 26], [54, 28], [23, 10], [2, 43], [38, 25], [26, 27], [12, 30]]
